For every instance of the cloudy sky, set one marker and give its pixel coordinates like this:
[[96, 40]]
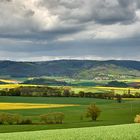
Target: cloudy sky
[[34, 30]]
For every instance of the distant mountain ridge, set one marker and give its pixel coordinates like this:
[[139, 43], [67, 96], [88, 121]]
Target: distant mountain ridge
[[83, 69]]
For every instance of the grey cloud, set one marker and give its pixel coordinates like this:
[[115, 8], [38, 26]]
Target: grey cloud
[[123, 12], [29, 13], [72, 16], [40, 28], [100, 48], [6, 1], [104, 12], [48, 35]]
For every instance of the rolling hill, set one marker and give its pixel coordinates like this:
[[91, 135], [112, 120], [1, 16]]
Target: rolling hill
[[81, 69]]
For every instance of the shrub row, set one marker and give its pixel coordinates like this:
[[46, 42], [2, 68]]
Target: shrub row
[[7, 118], [53, 118], [50, 118]]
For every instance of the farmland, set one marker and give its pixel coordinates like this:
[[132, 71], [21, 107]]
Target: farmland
[[129, 132], [99, 89], [73, 108], [9, 86], [69, 70], [14, 106], [77, 89], [124, 113]]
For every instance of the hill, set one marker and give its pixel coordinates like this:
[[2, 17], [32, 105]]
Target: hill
[[118, 132], [45, 81], [81, 69], [116, 84]]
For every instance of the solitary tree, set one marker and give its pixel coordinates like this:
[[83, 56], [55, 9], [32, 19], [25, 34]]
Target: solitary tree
[[66, 92], [119, 98], [93, 112]]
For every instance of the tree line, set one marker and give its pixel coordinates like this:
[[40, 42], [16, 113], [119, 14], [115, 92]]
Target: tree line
[[45, 91]]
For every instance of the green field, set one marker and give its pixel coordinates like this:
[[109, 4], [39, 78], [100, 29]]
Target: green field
[[112, 113], [98, 89], [119, 132]]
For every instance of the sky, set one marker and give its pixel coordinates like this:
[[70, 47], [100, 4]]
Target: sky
[[42, 30]]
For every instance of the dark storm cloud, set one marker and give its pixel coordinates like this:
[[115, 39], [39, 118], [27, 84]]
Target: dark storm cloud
[[104, 12], [82, 47], [101, 29], [48, 35]]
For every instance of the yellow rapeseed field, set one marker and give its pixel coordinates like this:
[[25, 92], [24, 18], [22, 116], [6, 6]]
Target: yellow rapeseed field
[[115, 88], [12, 106], [9, 86]]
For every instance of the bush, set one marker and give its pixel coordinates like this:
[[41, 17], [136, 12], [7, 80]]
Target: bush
[[59, 117], [26, 121], [53, 118], [137, 119], [93, 112], [17, 118], [47, 118], [119, 98], [9, 118], [2, 118]]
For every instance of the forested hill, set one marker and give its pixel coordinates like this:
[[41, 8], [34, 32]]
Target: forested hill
[[85, 69]]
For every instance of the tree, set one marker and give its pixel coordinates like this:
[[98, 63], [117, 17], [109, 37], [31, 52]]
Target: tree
[[53, 118], [66, 92], [119, 98], [93, 112], [129, 92], [81, 93], [137, 119]]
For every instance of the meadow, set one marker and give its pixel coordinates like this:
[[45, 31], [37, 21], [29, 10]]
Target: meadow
[[101, 89], [77, 85], [119, 132], [112, 113], [74, 108]]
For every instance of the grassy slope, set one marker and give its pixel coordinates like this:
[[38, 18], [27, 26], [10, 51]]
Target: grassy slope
[[112, 112], [119, 132], [99, 89], [107, 70], [69, 68]]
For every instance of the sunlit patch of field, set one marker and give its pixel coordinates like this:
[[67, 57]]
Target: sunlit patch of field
[[115, 88], [130, 80], [9, 86], [14, 106], [132, 99], [8, 81], [99, 89]]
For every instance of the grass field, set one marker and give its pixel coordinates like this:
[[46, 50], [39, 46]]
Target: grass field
[[112, 113], [119, 132], [99, 89]]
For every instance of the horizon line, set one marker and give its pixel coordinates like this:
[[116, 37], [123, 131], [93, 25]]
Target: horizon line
[[70, 59]]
